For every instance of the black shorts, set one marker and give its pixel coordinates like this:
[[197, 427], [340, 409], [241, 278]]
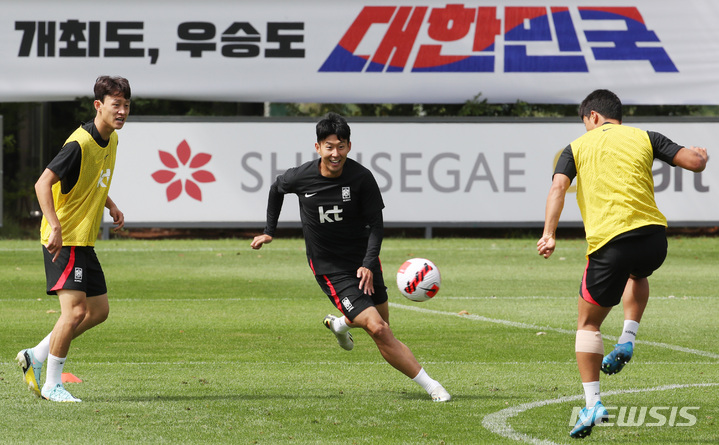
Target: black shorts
[[76, 268], [343, 291], [637, 253]]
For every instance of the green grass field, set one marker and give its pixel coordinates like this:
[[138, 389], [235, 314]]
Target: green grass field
[[210, 341]]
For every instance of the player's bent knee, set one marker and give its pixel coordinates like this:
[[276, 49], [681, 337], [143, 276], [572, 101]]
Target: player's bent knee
[[589, 341], [99, 317], [77, 315], [379, 329]]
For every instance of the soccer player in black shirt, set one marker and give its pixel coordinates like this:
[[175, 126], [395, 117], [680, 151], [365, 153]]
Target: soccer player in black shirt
[[341, 213]]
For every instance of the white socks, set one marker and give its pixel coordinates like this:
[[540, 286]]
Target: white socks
[[54, 371], [425, 381], [339, 325], [629, 333], [42, 349], [591, 389], [591, 393]]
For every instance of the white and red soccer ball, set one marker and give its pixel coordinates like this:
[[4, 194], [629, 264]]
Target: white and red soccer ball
[[418, 279]]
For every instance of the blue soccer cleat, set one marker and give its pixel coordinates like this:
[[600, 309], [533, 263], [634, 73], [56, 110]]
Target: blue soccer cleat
[[615, 360], [31, 370], [588, 417]]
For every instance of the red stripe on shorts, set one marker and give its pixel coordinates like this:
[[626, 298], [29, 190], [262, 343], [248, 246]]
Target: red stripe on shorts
[[66, 273], [335, 297], [585, 292]]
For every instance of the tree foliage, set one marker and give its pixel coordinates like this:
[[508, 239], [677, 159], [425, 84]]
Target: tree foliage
[[63, 117]]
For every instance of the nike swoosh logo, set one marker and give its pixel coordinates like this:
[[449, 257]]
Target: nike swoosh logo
[[308, 195]]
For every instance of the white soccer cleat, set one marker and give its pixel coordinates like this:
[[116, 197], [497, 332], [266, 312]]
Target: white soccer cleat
[[344, 339], [439, 394]]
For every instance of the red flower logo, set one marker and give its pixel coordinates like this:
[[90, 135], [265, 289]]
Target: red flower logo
[[184, 153]]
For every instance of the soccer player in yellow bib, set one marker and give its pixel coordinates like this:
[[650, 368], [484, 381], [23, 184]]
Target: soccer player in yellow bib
[[72, 192], [625, 231]]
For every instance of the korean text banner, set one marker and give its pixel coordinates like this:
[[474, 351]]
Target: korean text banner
[[206, 174], [401, 51]]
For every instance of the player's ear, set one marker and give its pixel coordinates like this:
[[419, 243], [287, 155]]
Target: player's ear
[[349, 146], [317, 147], [97, 104]]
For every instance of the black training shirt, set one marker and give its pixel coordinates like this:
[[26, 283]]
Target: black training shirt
[[341, 217]]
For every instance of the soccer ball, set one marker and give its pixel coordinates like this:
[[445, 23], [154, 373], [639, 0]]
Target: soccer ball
[[418, 279]]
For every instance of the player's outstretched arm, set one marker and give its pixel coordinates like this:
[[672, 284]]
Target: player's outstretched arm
[[259, 240], [691, 158], [274, 207]]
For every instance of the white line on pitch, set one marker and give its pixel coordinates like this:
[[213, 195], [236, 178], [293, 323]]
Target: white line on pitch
[[526, 297], [497, 422], [547, 297], [377, 362], [517, 324]]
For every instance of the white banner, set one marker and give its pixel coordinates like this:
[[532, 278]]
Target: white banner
[[210, 174], [401, 51]]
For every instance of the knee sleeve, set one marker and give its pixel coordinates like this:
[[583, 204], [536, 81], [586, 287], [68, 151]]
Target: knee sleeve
[[589, 341]]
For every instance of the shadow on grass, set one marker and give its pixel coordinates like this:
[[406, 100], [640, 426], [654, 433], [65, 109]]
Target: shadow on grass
[[407, 396]]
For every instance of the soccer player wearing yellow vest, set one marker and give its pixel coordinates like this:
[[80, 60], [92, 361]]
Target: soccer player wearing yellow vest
[[626, 232], [72, 192]]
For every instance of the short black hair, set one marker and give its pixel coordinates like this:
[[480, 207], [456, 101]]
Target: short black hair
[[333, 123], [112, 86], [603, 102]]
